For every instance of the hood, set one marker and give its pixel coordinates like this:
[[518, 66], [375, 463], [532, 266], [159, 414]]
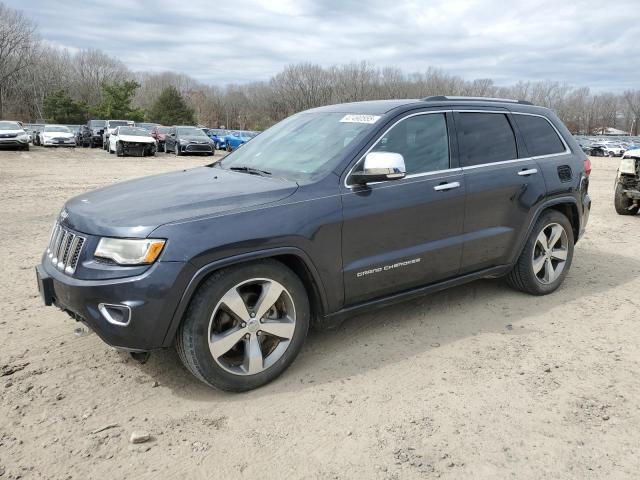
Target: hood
[[137, 207], [11, 133], [136, 138], [58, 134]]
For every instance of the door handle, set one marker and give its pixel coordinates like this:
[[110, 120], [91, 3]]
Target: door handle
[[527, 172], [446, 186]]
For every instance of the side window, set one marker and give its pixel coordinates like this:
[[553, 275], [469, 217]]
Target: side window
[[539, 136], [485, 138], [422, 140]]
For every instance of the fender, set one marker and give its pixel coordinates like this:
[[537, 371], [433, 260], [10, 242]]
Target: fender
[[549, 203], [204, 271]]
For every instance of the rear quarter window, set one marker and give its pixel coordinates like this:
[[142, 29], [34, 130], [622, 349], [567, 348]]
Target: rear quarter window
[[539, 136]]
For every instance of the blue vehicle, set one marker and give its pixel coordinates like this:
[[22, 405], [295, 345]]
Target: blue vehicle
[[217, 135], [236, 138]]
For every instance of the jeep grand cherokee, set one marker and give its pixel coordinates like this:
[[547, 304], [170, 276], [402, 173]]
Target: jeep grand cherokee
[[330, 212]]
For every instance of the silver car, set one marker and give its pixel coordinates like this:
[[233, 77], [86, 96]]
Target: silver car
[[13, 135]]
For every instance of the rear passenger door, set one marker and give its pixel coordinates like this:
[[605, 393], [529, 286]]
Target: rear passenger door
[[502, 187]]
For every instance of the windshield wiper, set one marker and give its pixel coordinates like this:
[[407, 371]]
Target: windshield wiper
[[252, 171]]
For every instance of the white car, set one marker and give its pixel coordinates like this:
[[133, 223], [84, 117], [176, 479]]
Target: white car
[[57, 136], [131, 141], [611, 149], [110, 126], [13, 135]]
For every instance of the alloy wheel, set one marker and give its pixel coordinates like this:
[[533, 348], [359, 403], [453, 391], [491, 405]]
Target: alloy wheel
[[550, 253], [251, 326]]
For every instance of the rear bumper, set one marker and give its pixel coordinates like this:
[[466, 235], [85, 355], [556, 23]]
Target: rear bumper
[[151, 299]]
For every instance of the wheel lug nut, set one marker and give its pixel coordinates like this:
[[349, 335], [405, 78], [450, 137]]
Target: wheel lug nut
[[247, 336], [243, 324], [252, 314], [259, 332]]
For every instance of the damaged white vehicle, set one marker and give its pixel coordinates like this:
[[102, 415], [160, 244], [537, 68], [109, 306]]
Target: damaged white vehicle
[[136, 141], [627, 196]]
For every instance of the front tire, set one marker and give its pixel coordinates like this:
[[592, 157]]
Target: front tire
[[623, 204], [546, 257], [244, 326]]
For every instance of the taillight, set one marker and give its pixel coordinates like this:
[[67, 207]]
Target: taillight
[[587, 166]]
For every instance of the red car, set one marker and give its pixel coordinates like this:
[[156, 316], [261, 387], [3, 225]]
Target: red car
[[159, 133]]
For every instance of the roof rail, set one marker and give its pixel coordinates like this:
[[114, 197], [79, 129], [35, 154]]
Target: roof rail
[[442, 98]]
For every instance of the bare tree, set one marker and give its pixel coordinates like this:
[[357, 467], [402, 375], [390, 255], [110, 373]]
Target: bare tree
[[18, 40], [632, 98]]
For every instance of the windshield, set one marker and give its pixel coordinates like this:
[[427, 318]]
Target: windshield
[[191, 132], [57, 128], [9, 126], [300, 146], [217, 133], [163, 129], [146, 126], [98, 123], [138, 132], [118, 123]]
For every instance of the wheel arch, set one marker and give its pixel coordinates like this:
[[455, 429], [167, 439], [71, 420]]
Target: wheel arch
[[568, 206], [294, 258]]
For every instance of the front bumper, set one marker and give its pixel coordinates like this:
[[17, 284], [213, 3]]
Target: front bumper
[[66, 143], [195, 148], [151, 298], [13, 142]]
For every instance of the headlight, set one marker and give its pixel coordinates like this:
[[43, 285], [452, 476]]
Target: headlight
[[628, 165], [23, 136], [130, 251]]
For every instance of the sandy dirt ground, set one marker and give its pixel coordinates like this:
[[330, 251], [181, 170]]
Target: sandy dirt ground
[[475, 382]]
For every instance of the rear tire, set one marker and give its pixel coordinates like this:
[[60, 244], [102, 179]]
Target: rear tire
[[119, 150], [623, 204], [546, 257], [208, 316]]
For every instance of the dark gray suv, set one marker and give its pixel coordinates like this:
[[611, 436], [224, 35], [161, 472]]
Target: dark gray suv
[[330, 212]]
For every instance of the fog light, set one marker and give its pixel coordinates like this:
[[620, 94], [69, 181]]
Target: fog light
[[119, 315]]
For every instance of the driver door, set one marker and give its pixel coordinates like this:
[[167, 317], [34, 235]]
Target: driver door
[[402, 234]]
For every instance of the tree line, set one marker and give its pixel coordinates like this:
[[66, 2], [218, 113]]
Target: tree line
[[41, 82]]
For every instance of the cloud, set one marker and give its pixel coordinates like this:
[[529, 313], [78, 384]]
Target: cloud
[[577, 42]]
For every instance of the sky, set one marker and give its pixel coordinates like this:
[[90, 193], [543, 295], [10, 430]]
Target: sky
[[581, 42]]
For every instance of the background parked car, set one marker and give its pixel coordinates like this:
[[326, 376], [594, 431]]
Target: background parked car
[[131, 141], [110, 126], [611, 149], [12, 134], [217, 135], [159, 133], [91, 133], [183, 140], [236, 138], [36, 128], [57, 136]]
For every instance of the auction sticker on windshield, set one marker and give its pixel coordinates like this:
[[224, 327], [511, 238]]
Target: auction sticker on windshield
[[360, 118]]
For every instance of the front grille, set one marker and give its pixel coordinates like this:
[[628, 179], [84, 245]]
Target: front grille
[[64, 249], [198, 147]]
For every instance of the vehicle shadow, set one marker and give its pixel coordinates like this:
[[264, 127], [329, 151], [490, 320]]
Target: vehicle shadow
[[380, 338]]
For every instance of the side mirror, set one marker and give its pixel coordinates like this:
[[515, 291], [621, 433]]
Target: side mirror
[[380, 166]]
